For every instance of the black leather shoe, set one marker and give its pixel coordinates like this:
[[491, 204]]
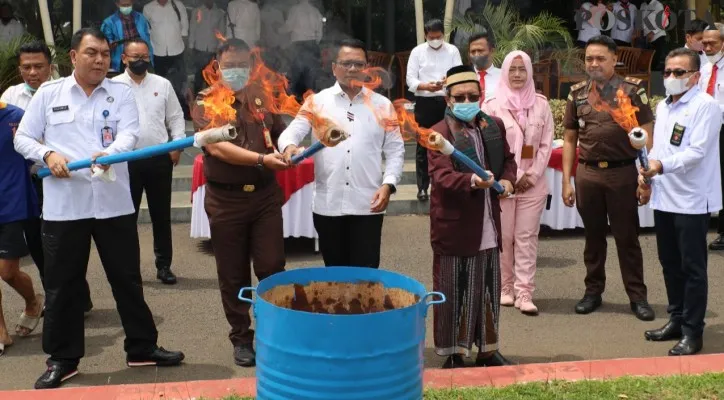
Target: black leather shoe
[[687, 346], [166, 276], [588, 304], [55, 375], [496, 360], [643, 310], [670, 331], [160, 357], [244, 356], [422, 195], [717, 244], [454, 361]]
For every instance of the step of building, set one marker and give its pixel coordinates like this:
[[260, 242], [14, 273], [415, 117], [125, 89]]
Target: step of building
[[404, 202]]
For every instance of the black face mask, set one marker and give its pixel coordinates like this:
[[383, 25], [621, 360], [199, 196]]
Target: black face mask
[[139, 67]]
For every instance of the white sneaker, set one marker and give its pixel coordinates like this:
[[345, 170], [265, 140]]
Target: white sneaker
[[506, 297], [525, 304]]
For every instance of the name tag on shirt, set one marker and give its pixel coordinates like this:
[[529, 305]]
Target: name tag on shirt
[[107, 136], [677, 134], [61, 108], [527, 152]]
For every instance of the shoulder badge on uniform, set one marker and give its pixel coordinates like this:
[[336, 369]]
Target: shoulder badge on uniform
[[632, 80], [642, 94], [579, 85]]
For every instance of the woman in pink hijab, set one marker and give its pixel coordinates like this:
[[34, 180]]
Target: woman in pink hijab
[[529, 131]]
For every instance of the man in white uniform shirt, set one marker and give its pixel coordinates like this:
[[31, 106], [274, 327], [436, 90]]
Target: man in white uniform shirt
[[206, 21], [588, 17], [305, 28], [694, 35], [71, 119], [712, 83], [653, 19], [10, 27], [245, 21], [169, 24], [160, 116], [352, 192], [426, 71], [624, 29], [480, 52], [684, 168]]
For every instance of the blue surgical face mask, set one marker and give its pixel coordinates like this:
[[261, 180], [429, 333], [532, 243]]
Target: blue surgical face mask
[[466, 111], [235, 78], [126, 10]]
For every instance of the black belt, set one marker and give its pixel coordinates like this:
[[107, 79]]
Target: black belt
[[607, 164], [240, 187]]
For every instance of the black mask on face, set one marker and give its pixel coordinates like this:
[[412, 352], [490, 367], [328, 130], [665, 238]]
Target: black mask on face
[[139, 67]]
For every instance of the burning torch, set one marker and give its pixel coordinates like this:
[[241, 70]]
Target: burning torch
[[199, 139], [331, 137], [625, 116]]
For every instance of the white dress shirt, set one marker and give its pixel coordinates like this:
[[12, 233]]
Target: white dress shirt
[[623, 30], [428, 65], [13, 30], [590, 27], [167, 32], [691, 180], [348, 175], [159, 111], [17, 95], [69, 122], [304, 22], [651, 12], [492, 78], [246, 18], [204, 25], [706, 71], [272, 26]]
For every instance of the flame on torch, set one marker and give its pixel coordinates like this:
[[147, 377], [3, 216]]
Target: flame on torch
[[624, 113], [411, 130]]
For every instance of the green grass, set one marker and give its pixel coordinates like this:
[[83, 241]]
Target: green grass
[[701, 387]]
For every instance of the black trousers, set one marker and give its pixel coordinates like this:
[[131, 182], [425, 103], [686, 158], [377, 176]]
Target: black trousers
[[154, 175], [173, 68], [200, 59], [304, 66], [67, 246], [681, 243], [350, 240], [428, 112], [657, 64]]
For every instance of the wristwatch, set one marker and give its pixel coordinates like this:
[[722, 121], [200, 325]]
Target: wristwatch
[[260, 161], [393, 189], [47, 153]]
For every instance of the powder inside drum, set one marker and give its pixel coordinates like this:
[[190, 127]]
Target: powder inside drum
[[340, 298]]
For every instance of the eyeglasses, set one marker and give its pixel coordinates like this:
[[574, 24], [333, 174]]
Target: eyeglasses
[[350, 64], [472, 98], [677, 72]]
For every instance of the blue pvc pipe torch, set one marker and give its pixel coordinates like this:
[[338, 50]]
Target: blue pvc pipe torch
[[439, 143], [638, 138], [330, 138], [199, 139]]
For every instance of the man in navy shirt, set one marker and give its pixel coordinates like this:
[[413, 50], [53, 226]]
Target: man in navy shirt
[[18, 202]]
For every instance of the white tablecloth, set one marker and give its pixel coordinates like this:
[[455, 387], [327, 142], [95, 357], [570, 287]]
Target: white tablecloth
[[560, 217], [297, 214]]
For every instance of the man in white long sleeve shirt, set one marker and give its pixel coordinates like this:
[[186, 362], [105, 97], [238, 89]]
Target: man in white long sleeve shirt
[[71, 119], [245, 21], [169, 24], [10, 27], [426, 70], [305, 28], [712, 83], [206, 21], [654, 20], [160, 116], [694, 35], [684, 168], [624, 29], [352, 192]]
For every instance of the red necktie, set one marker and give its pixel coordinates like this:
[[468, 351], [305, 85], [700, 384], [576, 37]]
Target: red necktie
[[712, 80], [482, 74]]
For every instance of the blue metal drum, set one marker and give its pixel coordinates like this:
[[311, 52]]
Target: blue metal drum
[[304, 355]]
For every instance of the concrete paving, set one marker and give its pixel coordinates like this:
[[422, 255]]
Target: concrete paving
[[190, 318]]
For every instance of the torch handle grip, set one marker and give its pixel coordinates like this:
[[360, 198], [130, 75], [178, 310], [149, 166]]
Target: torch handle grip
[[477, 169], [644, 160], [308, 152]]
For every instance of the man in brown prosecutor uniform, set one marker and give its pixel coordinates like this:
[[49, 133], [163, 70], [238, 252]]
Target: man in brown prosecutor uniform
[[606, 188], [243, 199]]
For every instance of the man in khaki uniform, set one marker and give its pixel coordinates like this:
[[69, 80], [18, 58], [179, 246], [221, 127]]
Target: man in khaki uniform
[[606, 176], [243, 199]]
